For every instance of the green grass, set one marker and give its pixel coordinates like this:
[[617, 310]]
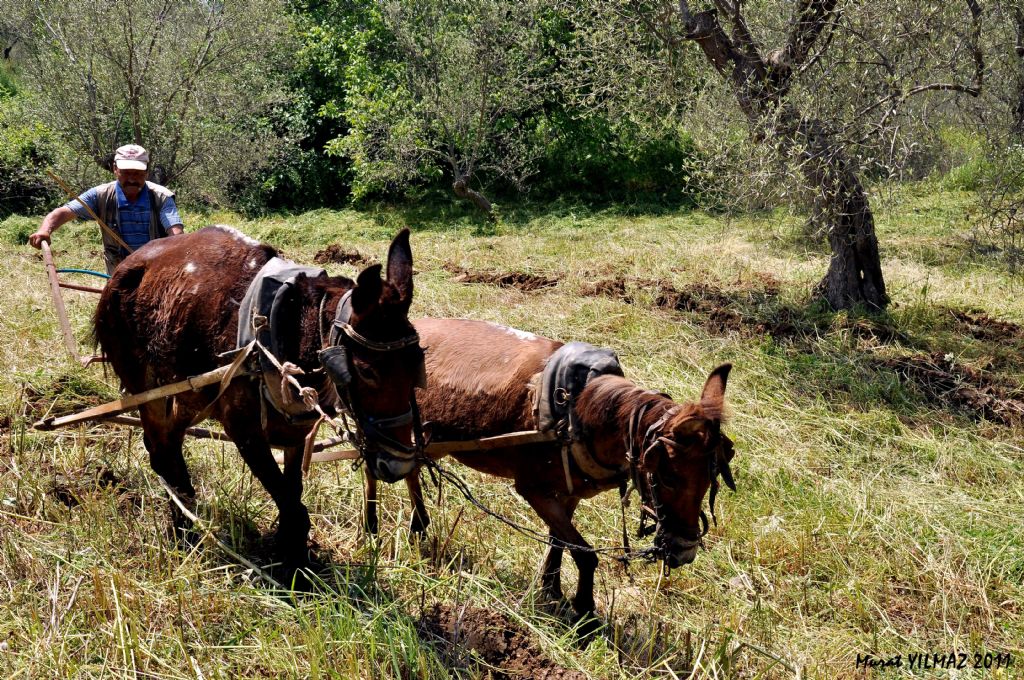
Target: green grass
[[870, 518]]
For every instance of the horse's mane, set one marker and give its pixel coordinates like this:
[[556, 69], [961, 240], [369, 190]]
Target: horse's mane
[[614, 398]]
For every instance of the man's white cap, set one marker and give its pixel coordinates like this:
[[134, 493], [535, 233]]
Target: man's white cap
[[131, 157]]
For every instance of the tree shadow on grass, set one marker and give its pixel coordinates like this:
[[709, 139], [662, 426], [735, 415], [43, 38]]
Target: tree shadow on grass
[[961, 360]]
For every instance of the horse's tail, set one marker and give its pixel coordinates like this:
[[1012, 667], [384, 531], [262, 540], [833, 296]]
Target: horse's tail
[[113, 324]]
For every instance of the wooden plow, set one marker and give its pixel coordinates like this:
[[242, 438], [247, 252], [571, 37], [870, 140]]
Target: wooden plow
[[52, 273], [111, 412]]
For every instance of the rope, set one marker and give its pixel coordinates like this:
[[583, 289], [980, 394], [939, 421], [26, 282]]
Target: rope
[[84, 271], [311, 398], [649, 554]]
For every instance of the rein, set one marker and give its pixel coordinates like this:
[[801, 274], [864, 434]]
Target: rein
[[437, 473]]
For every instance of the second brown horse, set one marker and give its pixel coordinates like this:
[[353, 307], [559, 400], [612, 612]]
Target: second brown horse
[[481, 382]]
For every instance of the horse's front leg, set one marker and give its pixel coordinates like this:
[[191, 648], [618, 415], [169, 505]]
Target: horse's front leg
[[285, 489], [556, 511], [420, 519]]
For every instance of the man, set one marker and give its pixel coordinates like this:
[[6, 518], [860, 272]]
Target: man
[[139, 211]]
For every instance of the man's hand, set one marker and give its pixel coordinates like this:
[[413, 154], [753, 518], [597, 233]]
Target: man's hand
[[51, 223], [176, 230], [36, 239]]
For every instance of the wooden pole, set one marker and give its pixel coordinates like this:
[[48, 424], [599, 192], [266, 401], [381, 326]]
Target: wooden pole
[[75, 286], [127, 403], [58, 303], [437, 449], [203, 433]]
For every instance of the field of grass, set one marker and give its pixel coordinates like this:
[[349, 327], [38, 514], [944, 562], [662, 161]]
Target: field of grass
[[879, 468]]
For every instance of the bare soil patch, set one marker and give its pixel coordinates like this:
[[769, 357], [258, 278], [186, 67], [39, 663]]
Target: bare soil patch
[[721, 311], [944, 381], [979, 325], [338, 255], [505, 647], [65, 394], [518, 280]]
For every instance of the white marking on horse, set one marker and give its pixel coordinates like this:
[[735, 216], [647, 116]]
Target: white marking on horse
[[190, 267], [247, 240], [251, 264], [522, 335]]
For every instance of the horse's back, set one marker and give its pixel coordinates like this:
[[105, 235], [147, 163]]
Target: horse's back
[[479, 375], [172, 305]]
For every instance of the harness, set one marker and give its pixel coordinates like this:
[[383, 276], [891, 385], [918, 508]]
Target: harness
[[262, 306], [640, 444], [563, 379], [368, 432], [259, 319]]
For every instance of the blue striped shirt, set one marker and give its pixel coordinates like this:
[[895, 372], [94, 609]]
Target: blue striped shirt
[[132, 217]]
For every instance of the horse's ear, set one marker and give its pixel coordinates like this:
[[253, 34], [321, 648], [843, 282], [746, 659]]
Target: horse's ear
[[400, 265], [712, 398], [366, 294]]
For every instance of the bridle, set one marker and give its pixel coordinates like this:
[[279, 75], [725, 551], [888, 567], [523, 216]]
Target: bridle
[[643, 443], [368, 433]]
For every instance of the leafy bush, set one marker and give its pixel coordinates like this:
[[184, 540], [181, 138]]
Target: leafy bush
[[16, 229], [26, 149], [589, 155]]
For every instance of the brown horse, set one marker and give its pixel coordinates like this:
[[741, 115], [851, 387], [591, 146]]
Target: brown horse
[[172, 308], [481, 383]]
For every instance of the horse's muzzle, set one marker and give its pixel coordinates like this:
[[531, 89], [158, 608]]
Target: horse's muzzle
[[681, 552], [390, 469]]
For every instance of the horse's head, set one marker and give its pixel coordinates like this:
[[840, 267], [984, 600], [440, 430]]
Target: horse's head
[[682, 460], [374, 357]]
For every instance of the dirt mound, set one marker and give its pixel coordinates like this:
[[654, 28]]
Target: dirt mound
[[613, 288], [947, 382], [519, 280], [65, 394], [338, 255], [498, 642], [721, 311], [979, 325]]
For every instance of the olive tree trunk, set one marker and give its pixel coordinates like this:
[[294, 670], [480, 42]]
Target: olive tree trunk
[[854, 275], [462, 189], [760, 85]]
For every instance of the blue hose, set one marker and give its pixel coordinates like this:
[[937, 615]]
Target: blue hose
[[83, 271]]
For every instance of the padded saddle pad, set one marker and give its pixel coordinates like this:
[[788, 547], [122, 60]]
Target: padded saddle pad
[[565, 375], [271, 280]]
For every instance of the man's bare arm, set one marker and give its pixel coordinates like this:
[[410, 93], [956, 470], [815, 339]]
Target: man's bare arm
[[51, 223]]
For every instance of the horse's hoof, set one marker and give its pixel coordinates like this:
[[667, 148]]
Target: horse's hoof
[[588, 625], [300, 581]]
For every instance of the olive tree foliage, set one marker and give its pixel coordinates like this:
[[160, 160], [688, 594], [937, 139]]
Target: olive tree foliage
[[997, 120], [190, 80], [811, 98], [444, 91]]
